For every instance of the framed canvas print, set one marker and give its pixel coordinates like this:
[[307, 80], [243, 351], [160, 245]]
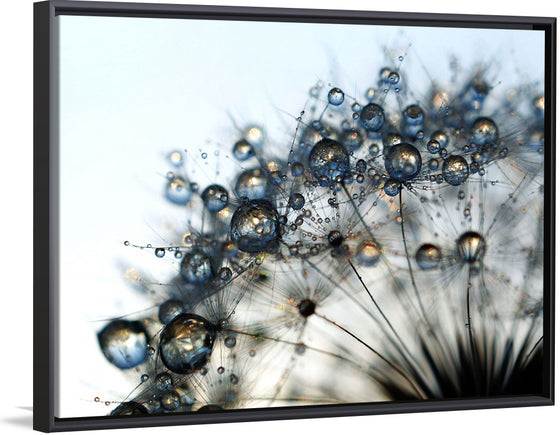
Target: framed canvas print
[[255, 214]]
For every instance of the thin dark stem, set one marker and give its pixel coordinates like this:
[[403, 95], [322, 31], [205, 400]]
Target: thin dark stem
[[414, 286], [379, 308], [389, 363], [474, 352], [531, 352]]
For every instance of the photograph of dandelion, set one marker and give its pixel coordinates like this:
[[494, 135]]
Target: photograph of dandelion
[[255, 213]]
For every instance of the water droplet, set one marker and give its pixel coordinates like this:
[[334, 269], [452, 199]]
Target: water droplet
[[392, 187], [185, 343], [394, 78], [335, 238], [243, 150], [433, 164], [215, 198], [163, 382], [128, 408], [373, 149], [296, 201], [336, 96], [372, 117], [197, 268], [159, 252], [455, 170], [403, 162], [171, 401], [484, 131], [230, 342], [175, 158], [144, 378], [252, 184], [255, 136], [204, 155], [413, 115], [254, 226], [441, 138], [351, 139], [428, 256], [368, 253], [169, 310], [433, 146], [178, 191], [225, 273], [297, 169], [328, 160], [470, 247], [124, 343]]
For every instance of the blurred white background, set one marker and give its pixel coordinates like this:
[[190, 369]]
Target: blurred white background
[[16, 140]]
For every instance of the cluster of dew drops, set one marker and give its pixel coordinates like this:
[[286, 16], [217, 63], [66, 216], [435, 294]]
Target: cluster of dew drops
[[339, 197]]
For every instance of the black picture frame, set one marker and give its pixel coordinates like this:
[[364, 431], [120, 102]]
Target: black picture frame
[[46, 202]]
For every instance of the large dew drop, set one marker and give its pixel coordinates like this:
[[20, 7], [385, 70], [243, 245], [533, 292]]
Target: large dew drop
[[328, 160], [129, 408], [243, 150], [413, 115], [178, 191], [455, 170], [252, 184], [124, 343], [197, 268], [186, 342], [428, 256], [372, 117], [484, 131], [254, 226], [368, 253], [336, 96], [470, 247], [215, 198], [403, 162]]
